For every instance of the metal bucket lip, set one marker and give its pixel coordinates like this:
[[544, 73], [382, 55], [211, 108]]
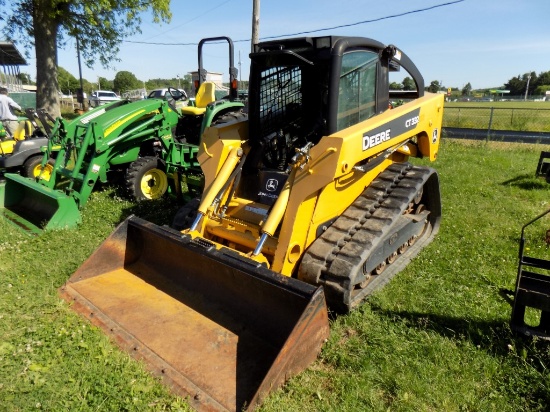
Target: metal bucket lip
[[33, 184]]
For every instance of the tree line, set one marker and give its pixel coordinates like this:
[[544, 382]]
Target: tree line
[[534, 84], [123, 82]]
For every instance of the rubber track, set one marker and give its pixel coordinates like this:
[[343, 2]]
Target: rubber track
[[336, 258]]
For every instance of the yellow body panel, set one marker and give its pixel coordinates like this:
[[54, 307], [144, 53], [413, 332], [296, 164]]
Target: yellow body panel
[[214, 150], [338, 170], [6, 146]]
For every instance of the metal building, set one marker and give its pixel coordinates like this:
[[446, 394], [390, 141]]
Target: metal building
[[10, 61]]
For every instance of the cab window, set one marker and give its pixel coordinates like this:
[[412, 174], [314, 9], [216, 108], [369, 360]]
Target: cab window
[[357, 91]]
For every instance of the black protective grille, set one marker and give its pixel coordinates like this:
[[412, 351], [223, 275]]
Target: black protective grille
[[280, 98]]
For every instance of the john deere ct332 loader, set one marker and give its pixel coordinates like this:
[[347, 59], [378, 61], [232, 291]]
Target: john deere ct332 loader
[[309, 202]]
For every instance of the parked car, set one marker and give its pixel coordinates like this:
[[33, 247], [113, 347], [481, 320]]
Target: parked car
[[100, 97]]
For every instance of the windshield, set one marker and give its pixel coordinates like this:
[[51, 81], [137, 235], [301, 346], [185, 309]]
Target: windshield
[[156, 94], [357, 92]]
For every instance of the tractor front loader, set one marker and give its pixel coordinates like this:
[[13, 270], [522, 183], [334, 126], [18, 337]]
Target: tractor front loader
[[150, 139], [122, 134], [310, 201]]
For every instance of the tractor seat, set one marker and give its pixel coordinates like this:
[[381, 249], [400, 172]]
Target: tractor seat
[[205, 95], [24, 129], [7, 145]]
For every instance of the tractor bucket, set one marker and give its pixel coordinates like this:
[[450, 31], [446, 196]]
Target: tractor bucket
[[34, 207], [218, 329]]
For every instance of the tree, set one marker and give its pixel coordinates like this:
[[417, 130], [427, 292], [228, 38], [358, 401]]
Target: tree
[[434, 86], [541, 90], [543, 79], [396, 86], [98, 26], [517, 85], [466, 90], [68, 84], [103, 84], [408, 84], [25, 78], [125, 81]]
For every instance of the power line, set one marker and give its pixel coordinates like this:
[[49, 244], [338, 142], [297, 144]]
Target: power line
[[189, 21], [369, 21], [316, 30]]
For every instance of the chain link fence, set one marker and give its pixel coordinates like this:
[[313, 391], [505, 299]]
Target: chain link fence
[[496, 118]]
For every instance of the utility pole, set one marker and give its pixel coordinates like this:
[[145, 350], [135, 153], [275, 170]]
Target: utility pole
[[255, 24], [527, 88], [240, 75], [80, 95]]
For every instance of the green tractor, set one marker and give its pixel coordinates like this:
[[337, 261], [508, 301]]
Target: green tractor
[[205, 109], [148, 140]]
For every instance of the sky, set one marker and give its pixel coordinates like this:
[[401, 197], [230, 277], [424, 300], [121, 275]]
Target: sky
[[481, 42]]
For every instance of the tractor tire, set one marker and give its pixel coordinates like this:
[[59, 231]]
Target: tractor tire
[[146, 179], [32, 167], [229, 118], [186, 215]]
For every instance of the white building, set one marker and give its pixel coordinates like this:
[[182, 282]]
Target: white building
[[216, 78]]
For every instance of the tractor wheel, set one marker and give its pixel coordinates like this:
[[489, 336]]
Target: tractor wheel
[[229, 117], [146, 179], [186, 215], [33, 166]]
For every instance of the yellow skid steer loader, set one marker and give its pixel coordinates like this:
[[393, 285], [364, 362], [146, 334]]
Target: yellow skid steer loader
[[309, 202]]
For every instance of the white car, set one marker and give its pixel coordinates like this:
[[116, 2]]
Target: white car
[[100, 97]]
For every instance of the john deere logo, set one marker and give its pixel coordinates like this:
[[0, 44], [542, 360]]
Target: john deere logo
[[271, 185]]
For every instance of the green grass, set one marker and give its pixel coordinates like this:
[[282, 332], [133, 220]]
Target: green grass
[[435, 339]]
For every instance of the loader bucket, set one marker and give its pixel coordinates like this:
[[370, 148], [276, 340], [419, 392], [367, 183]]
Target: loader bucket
[[218, 329], [34, 207]]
